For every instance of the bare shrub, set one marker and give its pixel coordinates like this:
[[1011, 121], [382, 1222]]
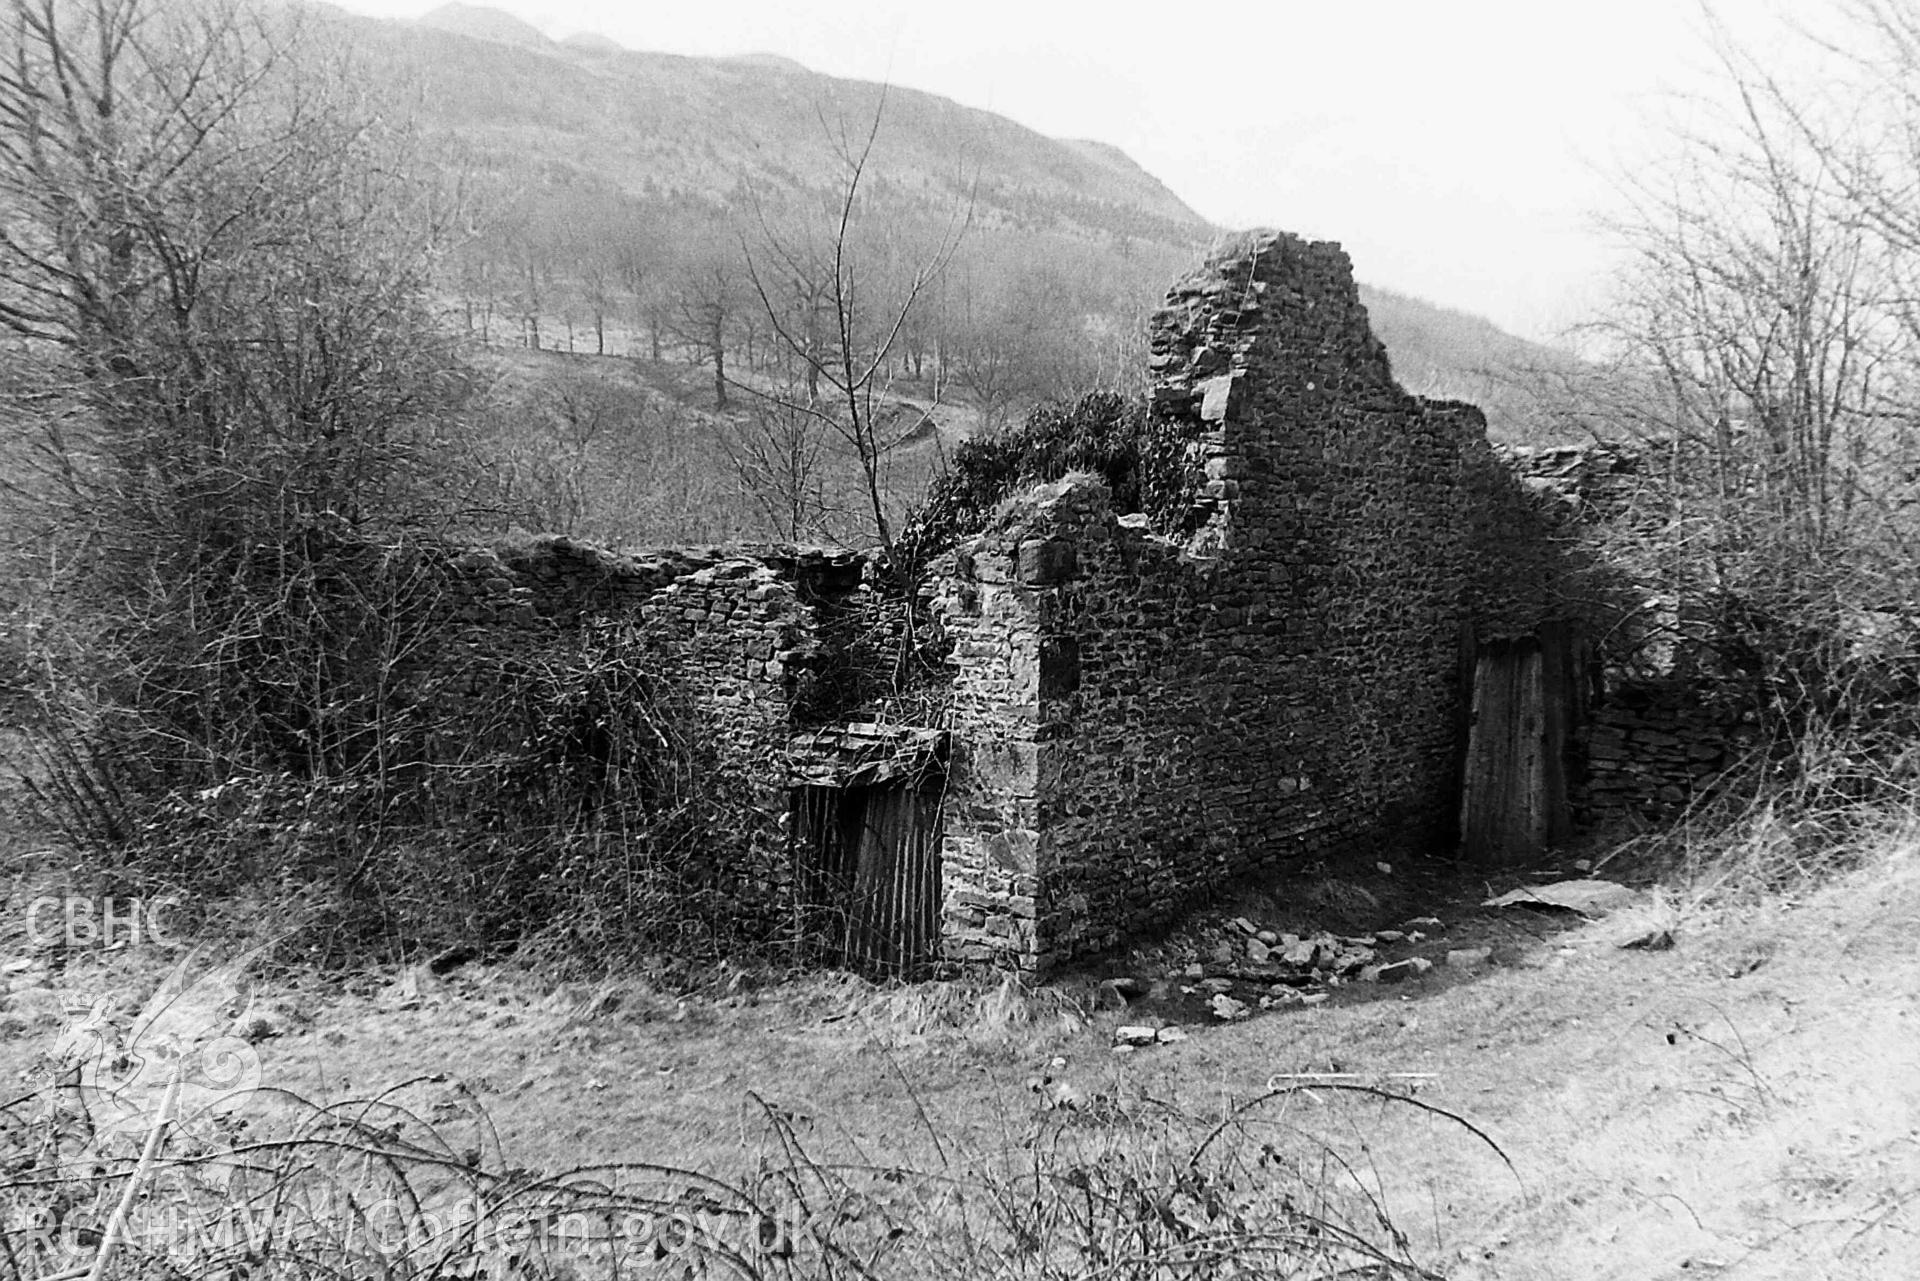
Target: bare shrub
[[558, 789], [238, 438], [414, 1182], [1775, 827]]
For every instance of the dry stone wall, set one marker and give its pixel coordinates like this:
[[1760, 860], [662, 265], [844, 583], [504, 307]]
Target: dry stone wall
[[1652, 750], [1141, 719], [738, 635], [1656, 736], [736, 631], [1140, 716]]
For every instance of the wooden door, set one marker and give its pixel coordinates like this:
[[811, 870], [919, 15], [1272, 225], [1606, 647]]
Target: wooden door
[[1525, 702]]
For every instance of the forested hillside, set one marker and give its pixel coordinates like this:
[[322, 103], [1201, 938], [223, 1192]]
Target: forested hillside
[[686, 210]]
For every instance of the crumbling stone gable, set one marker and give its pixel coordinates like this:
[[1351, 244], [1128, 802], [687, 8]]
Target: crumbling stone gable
[[1140, 719], [1138, 715]]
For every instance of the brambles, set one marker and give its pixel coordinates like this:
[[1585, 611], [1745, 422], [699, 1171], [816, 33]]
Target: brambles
[[415, 1182], [237, 419], [238, 438]]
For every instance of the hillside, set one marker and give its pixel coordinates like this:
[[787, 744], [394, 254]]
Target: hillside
[[659, 127], [617, 196], [1446, 354], [481, 23]]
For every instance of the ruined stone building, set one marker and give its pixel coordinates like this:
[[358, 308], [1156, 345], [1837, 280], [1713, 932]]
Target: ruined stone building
[[1357, 641]]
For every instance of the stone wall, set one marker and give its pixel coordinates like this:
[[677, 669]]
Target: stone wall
[[735, 629], [1658, 730], [1140, 719], [1652, 749], [1141, 716], [739, 637]]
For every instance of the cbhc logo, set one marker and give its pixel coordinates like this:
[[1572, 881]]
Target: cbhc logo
[[110, 922]]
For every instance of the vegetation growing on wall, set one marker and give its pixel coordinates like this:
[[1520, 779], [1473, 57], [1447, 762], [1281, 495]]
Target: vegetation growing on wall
[[237, 439], [1143, 462], [1762, 352], [236, 426]]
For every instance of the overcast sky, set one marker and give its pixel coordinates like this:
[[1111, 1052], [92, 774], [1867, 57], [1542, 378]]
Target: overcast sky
[[1459, 149]]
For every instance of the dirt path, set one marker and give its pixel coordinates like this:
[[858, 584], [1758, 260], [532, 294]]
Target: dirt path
[[1745, 1103]]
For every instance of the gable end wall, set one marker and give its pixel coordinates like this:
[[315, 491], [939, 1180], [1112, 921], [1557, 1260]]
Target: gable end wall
[[1140, 721]]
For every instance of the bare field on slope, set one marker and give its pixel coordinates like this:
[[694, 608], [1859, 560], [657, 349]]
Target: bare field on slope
[[1746, 1103]]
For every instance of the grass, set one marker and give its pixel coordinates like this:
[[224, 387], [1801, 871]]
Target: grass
[[416, 1179], [1742, 1102]]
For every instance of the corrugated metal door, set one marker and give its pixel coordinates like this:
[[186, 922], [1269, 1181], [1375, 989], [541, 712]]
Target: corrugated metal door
[[870, 874]]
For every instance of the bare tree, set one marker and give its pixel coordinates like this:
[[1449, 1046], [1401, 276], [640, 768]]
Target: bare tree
[[197, 229], [221, 284], [994, 352], [776, 451], [1762, 342], [1869, 131], [578, 412], [704, 315], [637, 273], [532, 269], [851, 314]]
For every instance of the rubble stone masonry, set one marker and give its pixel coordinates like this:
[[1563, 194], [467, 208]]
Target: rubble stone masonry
[[1140, 716], [736, 627], [1140, 719]]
